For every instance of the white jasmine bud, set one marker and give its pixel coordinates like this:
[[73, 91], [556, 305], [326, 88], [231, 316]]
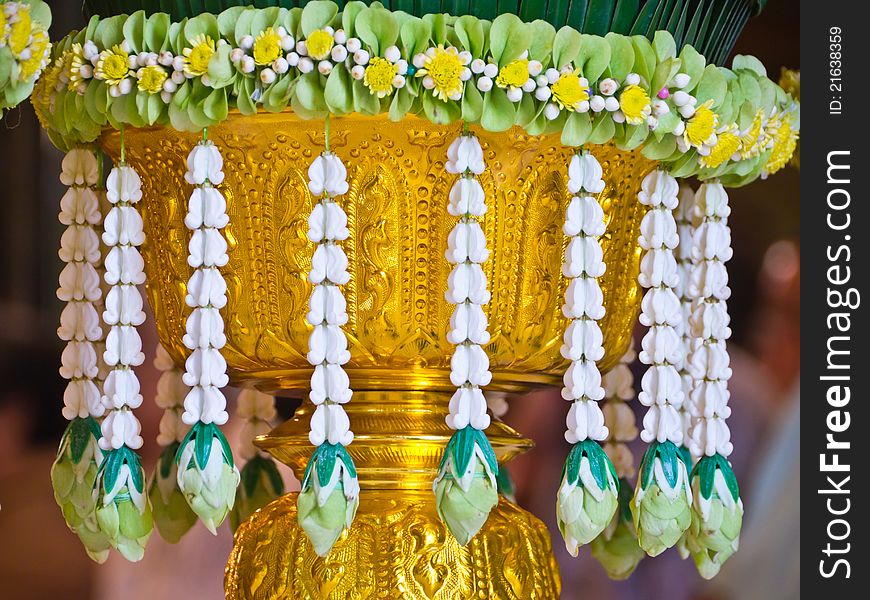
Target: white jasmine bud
[[353, 45], [529, 86], [491, 70], [248, 64], [358, 72], [340, 37], [288, 43], [552, 75], [170, 86], [324, 67], [477, 66], [306, 65], [392, 54], [338, 54], [681, 98], [126, 86], [687, 111], [535, 68], [543, 94], [632, 79], [428, 82], [660, 107], [281, 65], [608, 86], [361, 57], [178, 63], [610, 103], [596, 103], [247, 42], [551, 112], [465, 74], [484, 84], [618, 117], [267, 76], [514, 94], [292, 59], [399, 82], [681, 80], [419, 60]]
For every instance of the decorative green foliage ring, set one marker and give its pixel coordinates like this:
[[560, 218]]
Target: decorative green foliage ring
[[694, 117]]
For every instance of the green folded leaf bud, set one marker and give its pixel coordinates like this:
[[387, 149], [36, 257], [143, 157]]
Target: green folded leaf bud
[[261, 484], [617, 548], [172, 515], [466, 489], [207, 476], [662, 503], [329, 498], [587, 498], [717, 515], [73, 476], [123, 510]]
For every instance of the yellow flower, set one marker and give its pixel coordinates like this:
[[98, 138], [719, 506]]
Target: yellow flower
[[444, 67], [20, 26], [701, 125], [756, 139], [197, 56], [514, 74], [784, 144], [4, 24], [39, 47], [113, 65], [727, 144], [635, 104], [379, 76], [151, 79], [569, 91], [267, 47], [73, 61], [319, 44]]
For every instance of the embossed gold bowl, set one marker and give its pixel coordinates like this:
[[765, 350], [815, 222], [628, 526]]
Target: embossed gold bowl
[[399, 318]]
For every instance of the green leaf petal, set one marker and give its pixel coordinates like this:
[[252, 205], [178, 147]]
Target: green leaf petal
[[499, 113], [378, 28], [317, 15], [509, 37], [566, 47]]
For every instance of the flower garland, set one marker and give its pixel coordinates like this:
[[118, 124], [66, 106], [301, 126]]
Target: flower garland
[[698, 118], [123, 508], [78, 459], [663, 486], [616, 548], [686, 201], [587, 496], [466, 487], [172, 515], [207, 475], [260, 482], [25, 49], [717, 509], [330, 490]]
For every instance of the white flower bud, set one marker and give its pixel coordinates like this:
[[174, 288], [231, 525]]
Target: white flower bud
[[465, 74], [141, 59], [281, 65], [206, 80], [583, 107], [170, 86], [114, 91], [328, 29], [535, 68], [267, 76], [610, 103], [692, 100], [399, 82], [524, 55], [166, 97], [491, 70], [178, 63], [340, 37], [552, 75], [164, 59], [177, 77], [126, 86], [353, 45], [687, 111], [133, 61], [392, 54], [302, 48], [608, 86], [247, 42], [551, 112], [477, 66], [281, 31], [361, 57], [456, 96], [89, 50], [86, 71], [632, 79], [248, 64], [288, 43], [402, 65], [306, 65], [618, 117], [660, 107], [338, 54], [681, 80], [484, 84], [514, 94], [81, 88], [566, 70], [292, 59], [236, 55], [324, 67], [680, 128], [652, 122], [543, 93], [542, 81], [125, 46], [419, 60], [681, 98], [465, 57], [596, 103], [529, 86], [428, 82], [358, 72]]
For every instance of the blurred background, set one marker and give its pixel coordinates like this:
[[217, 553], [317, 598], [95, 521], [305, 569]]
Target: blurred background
[[40, 559]]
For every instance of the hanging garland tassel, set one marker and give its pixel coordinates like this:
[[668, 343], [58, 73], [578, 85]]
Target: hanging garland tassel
[[329, 497], [207, 475], [684, 266], [78, 459], [587, 497], [466, 487], [617, 548], [172, 515], [717, 509], [661, 506], [123, 509], [261, 482]]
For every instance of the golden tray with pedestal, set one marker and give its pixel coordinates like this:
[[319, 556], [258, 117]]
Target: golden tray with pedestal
[[398, 319]]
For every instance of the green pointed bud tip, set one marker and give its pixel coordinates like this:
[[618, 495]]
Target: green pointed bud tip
[[465, 511], [207, 476], [617, 549], [96, 543], [324, 523], [585, 507], [661, 506], [74, 471], [172, 515], [261, 483]]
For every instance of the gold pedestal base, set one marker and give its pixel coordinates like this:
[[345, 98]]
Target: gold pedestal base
[[397, 548]]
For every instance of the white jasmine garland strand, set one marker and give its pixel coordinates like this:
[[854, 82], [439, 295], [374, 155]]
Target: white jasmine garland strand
[[618, 416], [327, 344], [257, 411], [122, 234], [584, 302], [79, 285], [467, 287], [685, 230], [205, 368], [661, 348], [709, 361], [171, 392]]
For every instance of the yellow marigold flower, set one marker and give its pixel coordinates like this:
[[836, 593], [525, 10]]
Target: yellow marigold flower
[[444, 67], [514, 74], [113, 65], [151, 79], [379, 75], [20, 29], [569, 91], [701, 125], [755, 139], [73, 61], [39, 47], [319, 44], [635, 104], [267, 47], [197, 56], [727, 144], [784, 144]]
